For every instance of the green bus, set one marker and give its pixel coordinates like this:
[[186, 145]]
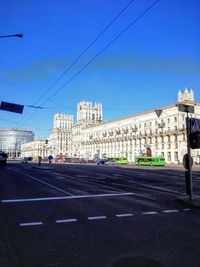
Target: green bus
[[150, 161], [120, 160]]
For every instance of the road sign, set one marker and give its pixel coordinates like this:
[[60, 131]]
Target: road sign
[[194, 133], [158, 112], [11, 107], [186, 108]]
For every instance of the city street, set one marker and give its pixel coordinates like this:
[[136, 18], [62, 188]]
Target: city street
[[99, 216]]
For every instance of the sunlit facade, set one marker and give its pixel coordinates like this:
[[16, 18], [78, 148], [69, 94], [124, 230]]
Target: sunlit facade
[[163, 131], [131, 136]]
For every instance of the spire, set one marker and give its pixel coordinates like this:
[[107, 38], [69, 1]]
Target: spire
[[191, 95]]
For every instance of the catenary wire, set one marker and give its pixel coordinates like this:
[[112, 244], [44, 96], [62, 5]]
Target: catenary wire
[[81, 54], [100, 52]]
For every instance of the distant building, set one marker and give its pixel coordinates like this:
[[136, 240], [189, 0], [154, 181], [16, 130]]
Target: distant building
[[11, 140], [87, 115], [60, 136], [129, 137], [34, 149]]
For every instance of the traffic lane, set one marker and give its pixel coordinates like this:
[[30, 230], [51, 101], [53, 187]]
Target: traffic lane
[[150, 174], [113, 181], [39, 184], [17, 184], [167, 177], [107, 175], [48, 210], [163, 237]]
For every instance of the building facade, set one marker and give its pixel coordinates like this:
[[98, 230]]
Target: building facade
[[34, 149], [162, 131], [11, 140], [131, 136], [60, 137], [87, 115]]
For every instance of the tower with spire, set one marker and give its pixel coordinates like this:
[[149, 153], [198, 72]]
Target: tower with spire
[[186, 97]]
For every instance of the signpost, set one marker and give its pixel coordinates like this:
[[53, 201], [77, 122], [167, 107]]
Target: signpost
[[187, 160]]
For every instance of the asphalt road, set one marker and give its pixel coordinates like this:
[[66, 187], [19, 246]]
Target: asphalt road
[[99, 216]]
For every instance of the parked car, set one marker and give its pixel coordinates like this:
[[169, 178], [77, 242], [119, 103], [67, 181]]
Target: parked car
[[24, 160], [101, 161]]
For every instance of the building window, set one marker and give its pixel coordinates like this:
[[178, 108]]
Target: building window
[[169, 156], [176, 145], [176, 156], [168, 120], [175, 119]]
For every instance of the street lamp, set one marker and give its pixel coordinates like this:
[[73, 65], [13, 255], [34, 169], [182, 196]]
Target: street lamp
[[19, 35]]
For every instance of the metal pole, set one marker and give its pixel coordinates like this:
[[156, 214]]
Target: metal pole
[[189, 156]]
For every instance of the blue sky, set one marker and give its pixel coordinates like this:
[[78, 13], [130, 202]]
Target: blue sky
[[141, 70]]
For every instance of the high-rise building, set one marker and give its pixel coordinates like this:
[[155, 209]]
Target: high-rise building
[[60, 136]]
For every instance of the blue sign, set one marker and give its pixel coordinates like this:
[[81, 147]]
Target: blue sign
[[194, 126]]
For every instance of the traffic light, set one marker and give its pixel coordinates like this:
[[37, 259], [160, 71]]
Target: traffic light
[[46, 141]]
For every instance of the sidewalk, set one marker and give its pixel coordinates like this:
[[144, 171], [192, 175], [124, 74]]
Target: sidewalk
[[194, 203]]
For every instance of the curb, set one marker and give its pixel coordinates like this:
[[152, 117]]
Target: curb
[[194, 203]]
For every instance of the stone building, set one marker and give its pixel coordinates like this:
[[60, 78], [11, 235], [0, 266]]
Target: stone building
[[162, 131], [60, 136], [132, 135]]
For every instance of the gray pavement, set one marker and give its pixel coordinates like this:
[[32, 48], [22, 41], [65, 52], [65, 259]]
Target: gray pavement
[[80, 216]]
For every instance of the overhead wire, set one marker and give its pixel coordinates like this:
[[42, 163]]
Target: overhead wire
[[101, 51], [81, 54]]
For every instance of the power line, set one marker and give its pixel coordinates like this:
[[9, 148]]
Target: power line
[[101, 51], [24, 89], [82, 53]]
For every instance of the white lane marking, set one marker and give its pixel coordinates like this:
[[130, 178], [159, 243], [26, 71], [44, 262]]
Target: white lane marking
[[168, 211], [66, 220], [97, 218], [124, 215], [31, 224], [149, 212], [186, 209], [52, 186], [62, 198]]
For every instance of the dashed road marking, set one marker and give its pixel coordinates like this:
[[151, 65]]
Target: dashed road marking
[[102, 217], [66, 220], [97, 218], [170, 211], [31, 224], [149, 212], [124, 215], [186, 209]]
